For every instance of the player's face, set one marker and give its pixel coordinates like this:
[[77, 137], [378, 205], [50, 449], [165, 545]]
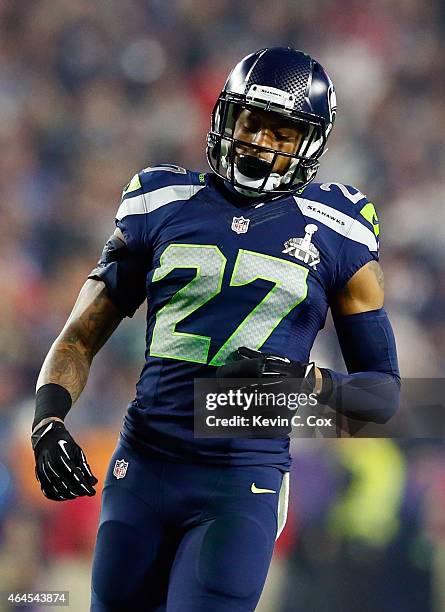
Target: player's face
[[267, 130]]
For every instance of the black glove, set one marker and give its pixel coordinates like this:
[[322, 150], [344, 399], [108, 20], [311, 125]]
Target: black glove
[[272, 369], [61, 467]]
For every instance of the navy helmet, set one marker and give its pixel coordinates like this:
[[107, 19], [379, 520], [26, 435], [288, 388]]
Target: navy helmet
[[289, 84]]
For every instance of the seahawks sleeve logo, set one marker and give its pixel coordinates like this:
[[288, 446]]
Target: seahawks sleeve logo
[[362, 226]]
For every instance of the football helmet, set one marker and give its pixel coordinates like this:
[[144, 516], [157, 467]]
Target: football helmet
[[291, 85]]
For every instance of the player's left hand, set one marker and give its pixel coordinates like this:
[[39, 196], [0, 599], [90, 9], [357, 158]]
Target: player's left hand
[[274, 369]]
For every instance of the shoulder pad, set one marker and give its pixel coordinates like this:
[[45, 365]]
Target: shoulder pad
[[344, 209], [169, 174], [154, 187], [345, 198]]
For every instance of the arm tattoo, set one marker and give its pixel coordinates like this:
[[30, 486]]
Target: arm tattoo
[[69, 359], [378, 272], [66, 364]]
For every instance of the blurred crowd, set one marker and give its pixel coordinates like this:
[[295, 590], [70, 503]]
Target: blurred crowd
[[92, 92]]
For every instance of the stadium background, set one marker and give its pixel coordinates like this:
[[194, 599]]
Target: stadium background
[[92, 92]]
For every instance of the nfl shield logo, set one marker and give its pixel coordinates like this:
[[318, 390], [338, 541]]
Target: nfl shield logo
[[240, 225], [120, 468]]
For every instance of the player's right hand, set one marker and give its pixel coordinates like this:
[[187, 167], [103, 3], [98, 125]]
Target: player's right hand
[[61, 467]]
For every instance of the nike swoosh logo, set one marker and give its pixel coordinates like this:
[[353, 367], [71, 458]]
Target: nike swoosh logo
[[255, 489], [62, 444]]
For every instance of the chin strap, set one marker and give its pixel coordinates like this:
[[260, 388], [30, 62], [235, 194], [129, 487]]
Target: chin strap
[[273, 181], [250, 176]]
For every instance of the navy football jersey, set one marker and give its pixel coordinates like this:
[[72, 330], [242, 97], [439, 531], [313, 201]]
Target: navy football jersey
[[224, 271]]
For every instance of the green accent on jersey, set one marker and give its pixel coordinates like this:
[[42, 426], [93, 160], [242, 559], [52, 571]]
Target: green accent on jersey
[[290, 288], [202, 178], [134, 184], [369, 213], [209, 263]]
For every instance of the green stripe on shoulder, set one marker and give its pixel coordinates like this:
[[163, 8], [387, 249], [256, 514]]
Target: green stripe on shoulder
[[133, 185], [369, 213]]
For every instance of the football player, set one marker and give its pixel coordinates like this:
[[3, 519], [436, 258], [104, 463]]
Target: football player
[[239, 267]]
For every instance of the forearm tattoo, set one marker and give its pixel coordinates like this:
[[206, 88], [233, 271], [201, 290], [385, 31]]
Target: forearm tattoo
[[69, 359]]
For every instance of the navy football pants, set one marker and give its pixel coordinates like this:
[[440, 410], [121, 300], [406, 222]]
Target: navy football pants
[[184, 537]]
